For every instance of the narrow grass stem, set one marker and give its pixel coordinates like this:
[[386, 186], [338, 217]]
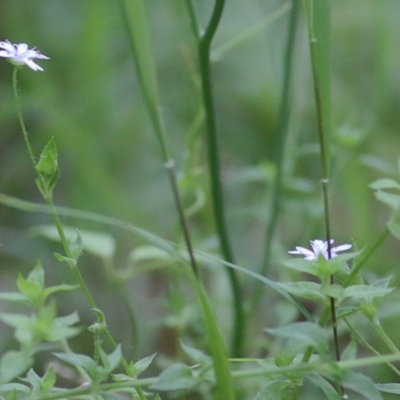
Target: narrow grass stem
[[170, 165], [364, 343], [282, 131], [360, 264], [383, 335], [193, 20], [319, 25], [20, 118], [49, 200], [214, 170]]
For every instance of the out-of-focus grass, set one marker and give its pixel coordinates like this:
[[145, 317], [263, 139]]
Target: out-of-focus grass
[[88, 99]]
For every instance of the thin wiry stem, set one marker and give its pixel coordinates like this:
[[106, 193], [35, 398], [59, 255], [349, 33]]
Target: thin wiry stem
[[66, 246], [282, 131], [204, 46]]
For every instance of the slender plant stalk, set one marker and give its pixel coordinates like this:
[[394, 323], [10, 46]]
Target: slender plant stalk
[[360, 264], [134, 21], [319, 25], [66, 246], [364, 343], [281, 134], [204, 48]]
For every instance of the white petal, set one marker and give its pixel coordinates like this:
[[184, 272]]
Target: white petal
[[342, 247], [22, 48], [302, 250], [32, 65], [7, 46]]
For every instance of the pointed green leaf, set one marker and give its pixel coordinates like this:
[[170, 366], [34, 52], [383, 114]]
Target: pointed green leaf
[[14, 364], [143, 364], [17, 387], [277, 390], [81, 360], [361, 384], [384, 184], [307, 333], [390, 199], [175, 377], [365, 291], [388, 387], [308, 290], [325, 386], [196, 355], [47, 168]]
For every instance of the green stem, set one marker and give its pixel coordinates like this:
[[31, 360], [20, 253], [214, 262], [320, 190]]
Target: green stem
[[204, 47], [282, 130], [360, 264], [381, 332], [319, 25], [368, 346], [49, 200], [20, 118]]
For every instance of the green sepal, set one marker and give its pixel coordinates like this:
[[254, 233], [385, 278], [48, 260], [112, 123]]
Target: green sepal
[[47, 168]]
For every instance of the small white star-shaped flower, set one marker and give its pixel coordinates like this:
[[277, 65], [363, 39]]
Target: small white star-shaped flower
[[19, 54], [319, 247]]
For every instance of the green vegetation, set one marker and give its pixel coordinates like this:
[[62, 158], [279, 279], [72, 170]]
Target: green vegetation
[[155, 176]]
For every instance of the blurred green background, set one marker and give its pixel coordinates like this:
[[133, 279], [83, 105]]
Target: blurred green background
[[88, 98]]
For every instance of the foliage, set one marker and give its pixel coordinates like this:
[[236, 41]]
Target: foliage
[[236, 119]]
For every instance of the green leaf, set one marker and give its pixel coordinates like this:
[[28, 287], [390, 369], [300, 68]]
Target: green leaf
[[306, 333], [333, 290], [384, 183], [14, 364], [48, 380], [394, 227], [309, 267], [365, 291], [112, 360], [37, 275], [361, 384], [40, 385], [175, 377], [196, 355], [390, 199], [307, 290], [58, 288], [325, 386], [76, 246], [143, 364], [81, 360], [97, 243], [388, 387], [62, 328], [276, 390], [47, 168], [350, 352], [16, 297], [346, 311], [224, 389], [17, 387]]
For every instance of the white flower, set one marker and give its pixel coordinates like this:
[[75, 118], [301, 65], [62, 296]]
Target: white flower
[[319, 247], [19, 54]]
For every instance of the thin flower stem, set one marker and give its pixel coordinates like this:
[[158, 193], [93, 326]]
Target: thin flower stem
[[204, 46], [319, 25], [368, 346], [20, 118], [360, 264], [381, 332], [49, 200], [282, 131]]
